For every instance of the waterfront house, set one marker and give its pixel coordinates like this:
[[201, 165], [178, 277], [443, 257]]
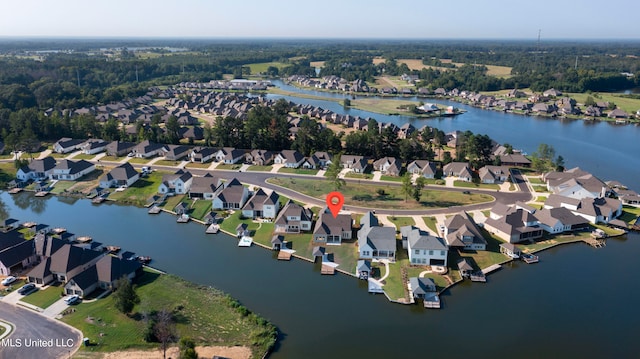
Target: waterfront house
[[552, 93], [65, 263], [205, 187], [17, 257], [202, 154], [595, 210], [558, 220], [148, 149], [575, 183], [176, 152], [71, 170], [514, 160], [374, 241], [363, 268], [332, 230], [118, 148], [36, 169], [262, 205], [259, 157], [229, 155], [422, 287], [93, 146], [289, 158], [233, 196], [517, 225], [423, 248], [293, 219], [461, 231], [177, 183], [493, 174], [460, 170], [388, 166], [510, 250], [422, 167], [123, 175], [618, 113], [103, 274], [66, 145]]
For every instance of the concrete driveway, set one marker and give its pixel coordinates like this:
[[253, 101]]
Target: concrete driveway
[[36, 336]]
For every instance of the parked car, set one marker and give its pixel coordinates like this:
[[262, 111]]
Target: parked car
[[9, 280], [72, 299], [27, 288]]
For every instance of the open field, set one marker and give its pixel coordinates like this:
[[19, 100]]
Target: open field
[[224, 323], [316, 63], [630, 105], [262, 67], [369, 195]]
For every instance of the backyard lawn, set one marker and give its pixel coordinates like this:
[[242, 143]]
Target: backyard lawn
[[381, 195], [139, 192]]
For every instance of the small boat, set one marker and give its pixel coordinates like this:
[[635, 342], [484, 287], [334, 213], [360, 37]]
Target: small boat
[[144, 259], [58, 230], [112, 249], [245, 241], [84, 239], [529, 258]]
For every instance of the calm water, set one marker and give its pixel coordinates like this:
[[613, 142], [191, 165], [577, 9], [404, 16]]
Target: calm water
[[576, 303], [607, 150]]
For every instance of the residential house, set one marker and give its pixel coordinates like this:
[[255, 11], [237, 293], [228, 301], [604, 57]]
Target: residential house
[[575, 183], [17, 257], [277, 242], [462, 232], [289, 158], [71, 170], [178, 183], [104, 274], [65, 263], [423, 167], [423, 248], [119, 149], [516, 225], [595, 210], [460, 170], [332, 230], [36, 169], [202, 154], [375, 242], [323, 158], [93, 146], [66, 145], [261, 205], [559, 220], [148, 149], [176, 152], [205, 187], [388, 165], [293, 219], [194, 133], [422, 287], [552, 93], [514, 160], [123, 175], [493, 174], [357, 164], [259, 157], [618, 113], [233, 196], [229, 155]]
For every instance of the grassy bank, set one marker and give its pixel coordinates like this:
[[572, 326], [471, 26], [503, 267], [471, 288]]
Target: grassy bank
[[225, 322]]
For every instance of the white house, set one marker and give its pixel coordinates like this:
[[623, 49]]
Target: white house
[[123, 175], [460, 170], [93, 146], [424, 249], [289, 158], [70, 171], [293, 219], [37, 169], [233, 196], [261, 205], [229, 155], [178, 183], [66, 145], [375, 242]]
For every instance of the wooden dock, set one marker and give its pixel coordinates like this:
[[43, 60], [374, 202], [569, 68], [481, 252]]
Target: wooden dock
[[478, 277], [212, 229], [84, 239], [432, 302], [328, 270], [529, 258], [42, 194], [595, 242], [15, 190], [154, 210], [284, 256], [183, 219], [98, 200], [491, 268]]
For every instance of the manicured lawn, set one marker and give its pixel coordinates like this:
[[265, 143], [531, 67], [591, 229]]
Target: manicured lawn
[[224, 166], [629, 105], [483, 258], [629, 214], [58, 155], [200, 208], [222, 323], [346, 255], [44, 298], [540, 188], [62, 186], [536, 180], [465, 184], [263, 234], [260, 168], [541, 199], [198, 165], [139, 192], [84, 156], [368, 195], [391, 178], [402, 221], [167, 163], [172, 202], [140, 160], [358, 175], [111, 158], [230, 223], [431, 223], [300, 171]]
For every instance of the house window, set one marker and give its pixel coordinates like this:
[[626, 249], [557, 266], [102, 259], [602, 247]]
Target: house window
[[417, 251], [441, 253], [430, 253]]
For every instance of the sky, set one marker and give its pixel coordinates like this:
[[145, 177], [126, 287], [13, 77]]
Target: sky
[[415, 19]]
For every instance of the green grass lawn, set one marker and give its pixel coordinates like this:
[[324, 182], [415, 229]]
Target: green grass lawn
[[44, 298], [391, 178], [198, 165], [84, 156], [172, 202], [223, 322], [629, 213], [200, 208], [541, 199], [431, 223], [58, 155], [540, 188], [137, 160], [167, 163], [401, 221], [367, 195], [230, 223], [112, 158], [62, 186], [300, 171], [536, 180], [139, 192], [260, 168], [224, 166], [629, 105], [358, 175], [465, 184]]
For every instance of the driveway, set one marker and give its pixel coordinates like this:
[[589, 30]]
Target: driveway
[[32, 329]]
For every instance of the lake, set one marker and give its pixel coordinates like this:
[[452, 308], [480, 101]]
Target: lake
[[576, 303]]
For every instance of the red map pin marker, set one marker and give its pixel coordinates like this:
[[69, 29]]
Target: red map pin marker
[[335, 201]]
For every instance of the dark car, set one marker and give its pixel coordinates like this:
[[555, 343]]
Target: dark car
[[27, 288], [466, 192]]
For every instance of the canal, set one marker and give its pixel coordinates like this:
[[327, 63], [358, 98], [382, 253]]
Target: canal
[[578, 302]]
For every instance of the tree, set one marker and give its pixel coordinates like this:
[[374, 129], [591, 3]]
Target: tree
[[333, 173], [417, 192], [164, 329], [125, 296], [187, 349], [346, 102], [590, 101], [407, 187]]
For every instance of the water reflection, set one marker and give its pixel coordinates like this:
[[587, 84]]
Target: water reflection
[[26, 200]]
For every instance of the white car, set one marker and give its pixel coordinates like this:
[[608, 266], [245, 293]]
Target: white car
[[9, 280], [72, 299]]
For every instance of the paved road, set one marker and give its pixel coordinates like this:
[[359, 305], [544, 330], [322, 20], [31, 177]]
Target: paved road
[[31, 327]]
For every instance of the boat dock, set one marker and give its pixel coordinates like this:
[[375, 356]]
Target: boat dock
[[595, 242], [529, 258], [42, 194], [98, 200], [491, 268], [285, 254], [183, 219], [327, 270], [212, 229], [478, 277], [15, 190], [245, 242], [84, 239], [154, 210], [432, 302]]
